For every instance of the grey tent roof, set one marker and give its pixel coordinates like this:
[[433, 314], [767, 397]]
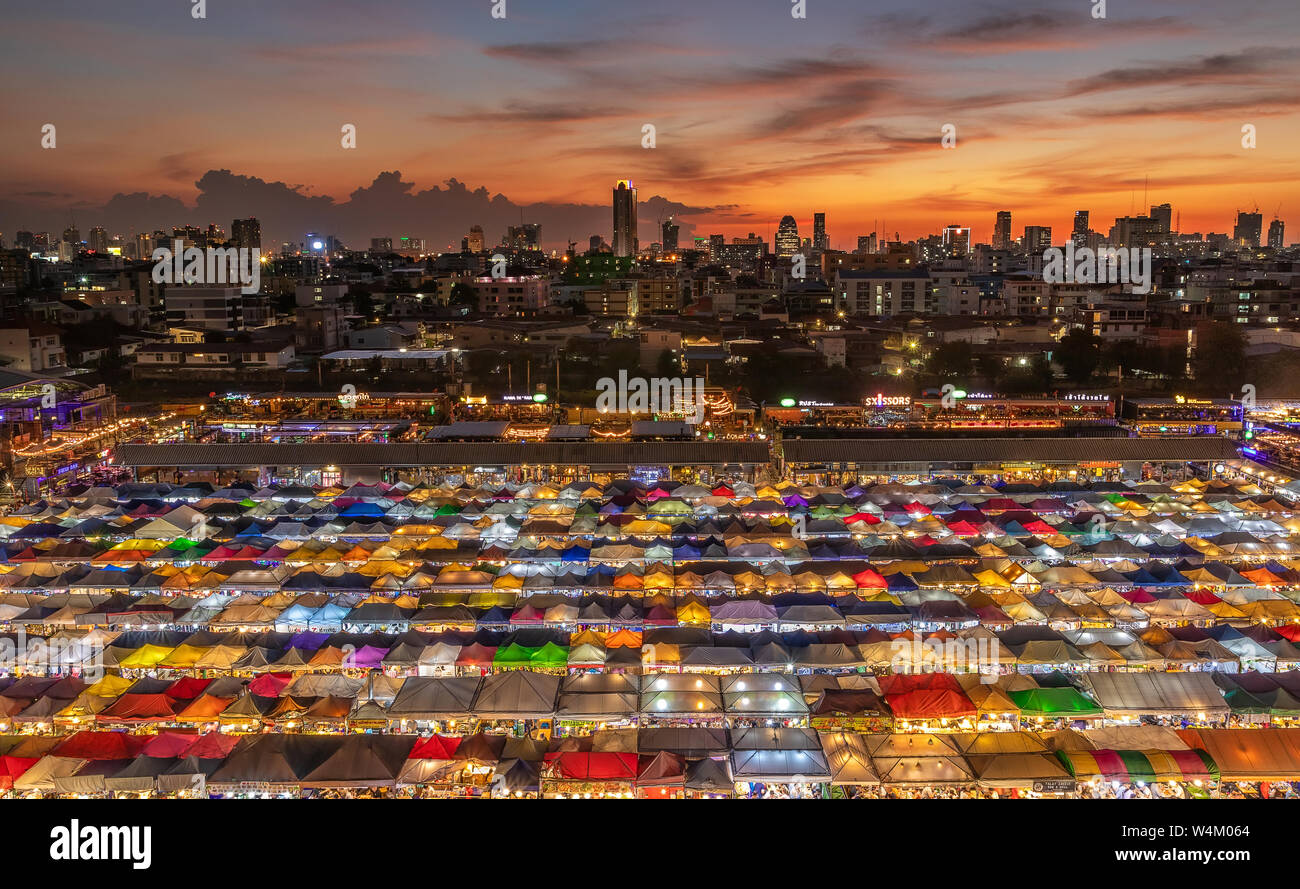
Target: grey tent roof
[[428, 698]]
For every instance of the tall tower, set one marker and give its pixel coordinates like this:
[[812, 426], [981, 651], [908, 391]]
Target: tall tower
[[1002, 231], [625, 239], [669, 236], [1079, 235], [787, 237], [820, 241]]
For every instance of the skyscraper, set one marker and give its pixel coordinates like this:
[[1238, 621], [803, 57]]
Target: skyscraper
[[820, 241], [475, 242], [1163, 214], [1248, 229], [98, 240], [1079, 236], [1002, 231], [525, 236], [246, 233], [956, 240], [787, 237], [1037, 238], [669, 234], [625, 238], [1275, 229]]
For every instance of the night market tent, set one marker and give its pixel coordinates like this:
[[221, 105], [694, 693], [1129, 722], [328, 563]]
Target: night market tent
[[598, 696], [779, 755], [773, 695], [1158, 694], [1054, 703], [710, 775], [681, 694], [917, 759], [424, 698], [518, 694], [586, 766], [43, 775], [273, 759], [662, 769], [690, 741], [1246, 755], [848, 758], [1120, 737], [13, 767], [1132, 766], [1007, 770], [363, 761]]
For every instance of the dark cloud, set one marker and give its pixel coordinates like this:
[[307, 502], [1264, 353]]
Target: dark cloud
[[387, 207], [517, 112], [1268, 62]]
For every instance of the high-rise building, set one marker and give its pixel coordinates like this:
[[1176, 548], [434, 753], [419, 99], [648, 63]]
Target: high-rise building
[[1079, 235], [820, 240], [381, 245], [625, 233], [526, 236], [1275, 229], [716, 243], [787, 237], [668, 236], [956, 240], [474, 243], [1135, 231], [246, 233], [1002, 231], [72, 235], [97, 240], [1037, 238], [866, 243], [1163, 214], [1248, 229]]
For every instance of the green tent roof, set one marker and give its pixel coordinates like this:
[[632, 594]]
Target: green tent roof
[[1054, 703]]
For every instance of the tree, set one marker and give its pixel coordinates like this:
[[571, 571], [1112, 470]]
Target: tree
[[463, 295], [951, 359], [667, 365], [1220, 360], [1079, 354], [991, 368]]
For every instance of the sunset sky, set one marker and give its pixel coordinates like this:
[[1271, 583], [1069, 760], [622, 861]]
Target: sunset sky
[[757, 114]]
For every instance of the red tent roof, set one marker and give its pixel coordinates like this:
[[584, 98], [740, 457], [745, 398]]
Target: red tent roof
[[213, 745], [187, 688], [903, 683], [596, 766], [12, 767], [139, 708], [926, 703], [100, 745], [269, 685], [869, 578], [435, 747], [169, 744]]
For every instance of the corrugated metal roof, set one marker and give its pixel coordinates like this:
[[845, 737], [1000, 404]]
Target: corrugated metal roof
[[451, 454], [992, 450]]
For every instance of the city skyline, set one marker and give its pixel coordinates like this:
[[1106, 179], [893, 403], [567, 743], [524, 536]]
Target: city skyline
[[755, 116]]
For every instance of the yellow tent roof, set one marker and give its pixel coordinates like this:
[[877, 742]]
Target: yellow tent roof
[[147, 655]]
